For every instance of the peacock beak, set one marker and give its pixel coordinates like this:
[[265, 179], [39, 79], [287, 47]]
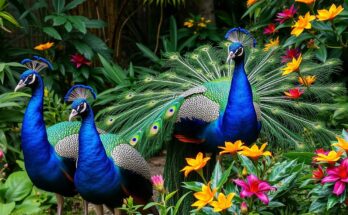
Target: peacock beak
[[230, 57], [73, 114], [20, 85]]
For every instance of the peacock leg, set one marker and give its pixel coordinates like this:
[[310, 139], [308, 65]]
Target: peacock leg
[[99, 209], [85, 207], [60, 203], [117, 212]]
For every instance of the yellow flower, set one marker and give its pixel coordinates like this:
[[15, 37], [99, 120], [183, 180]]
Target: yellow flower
[[307, 80], [251, 2], [45, 92], [330, 14], [195, 164], [302, 23], [231, 148], [223, 202], [189, 23], [272, 43], [292, 66], [255, 152], [331, 157], [204, 197], [202, 25], [342, 143], [44, 46], [306, 1]]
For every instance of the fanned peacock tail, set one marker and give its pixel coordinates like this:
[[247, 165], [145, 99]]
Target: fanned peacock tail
[[146, 116]]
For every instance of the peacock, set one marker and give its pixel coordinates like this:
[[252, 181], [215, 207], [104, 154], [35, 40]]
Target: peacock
[[203, 100], [106, 173], [47, 169]]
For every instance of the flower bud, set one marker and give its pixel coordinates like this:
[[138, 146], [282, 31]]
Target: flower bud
[[244, 208]]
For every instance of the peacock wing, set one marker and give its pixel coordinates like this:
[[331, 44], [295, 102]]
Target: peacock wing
[[135, 172]]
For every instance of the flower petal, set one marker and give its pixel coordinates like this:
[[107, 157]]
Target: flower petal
[[339, 188], [263, 197]]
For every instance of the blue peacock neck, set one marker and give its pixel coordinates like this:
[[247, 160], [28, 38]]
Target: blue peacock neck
[[92, 159], [239, 109], [35, 145]]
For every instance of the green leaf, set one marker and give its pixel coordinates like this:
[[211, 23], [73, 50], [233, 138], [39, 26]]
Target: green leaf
[[73, 4], [275, 204], [225, 176], [248, 164], [5, 15], [59, 20], [148, 53], [21, 165], [95, 23], [58, 5], [216, 176], [19, 186], [169, 195], [52, 32], [6, 209], [178, 203], [321, 53], [173, 33], [113, 72], [303, 157], [83, 48], [78, 23], [193, 185], [332, 201], [188, 43], [252, 8], [68, 26]]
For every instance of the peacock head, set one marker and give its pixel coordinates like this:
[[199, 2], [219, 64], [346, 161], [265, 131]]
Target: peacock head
[[240, 39], [78, 95], [31, 77]]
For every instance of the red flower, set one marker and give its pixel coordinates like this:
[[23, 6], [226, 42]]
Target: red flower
[[294, 93], [79, 60], [290, 54], [321, 151], [318, 174], [254, 186], [286, 14], [338, 175], [270, 29]]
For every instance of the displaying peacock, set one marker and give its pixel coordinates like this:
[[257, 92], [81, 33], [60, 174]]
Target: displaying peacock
[[47, 169], [204, 100], [107, 171]]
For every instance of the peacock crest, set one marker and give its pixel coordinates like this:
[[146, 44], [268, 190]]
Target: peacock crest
[[242, 36], [80, 91], [37, 64]]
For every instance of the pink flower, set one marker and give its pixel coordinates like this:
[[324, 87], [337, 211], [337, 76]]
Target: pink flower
[[1, 155], [158, 182], [294, 93], [290, 54], [321, 151], [254, 186], [79, 60], [339, 176], [286, 14], [270, 29]]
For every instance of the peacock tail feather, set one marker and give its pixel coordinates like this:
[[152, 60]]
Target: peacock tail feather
[[147, 115]]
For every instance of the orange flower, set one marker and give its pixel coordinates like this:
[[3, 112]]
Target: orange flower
[[330, 14], [255, 152], [272, 43], [302, 23], [306, 1], [231, 148], [251, 2], [195, 163], [44, 46], [330, 158], [292, 66], [189, 23], [204, 197], [223, 202], [307, 80], [342, 143]]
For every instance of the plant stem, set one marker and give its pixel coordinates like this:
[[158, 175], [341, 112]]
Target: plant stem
[[200, 173], [159, 30]]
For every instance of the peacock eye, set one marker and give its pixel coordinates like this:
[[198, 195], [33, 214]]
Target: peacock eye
[[239, 52]]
